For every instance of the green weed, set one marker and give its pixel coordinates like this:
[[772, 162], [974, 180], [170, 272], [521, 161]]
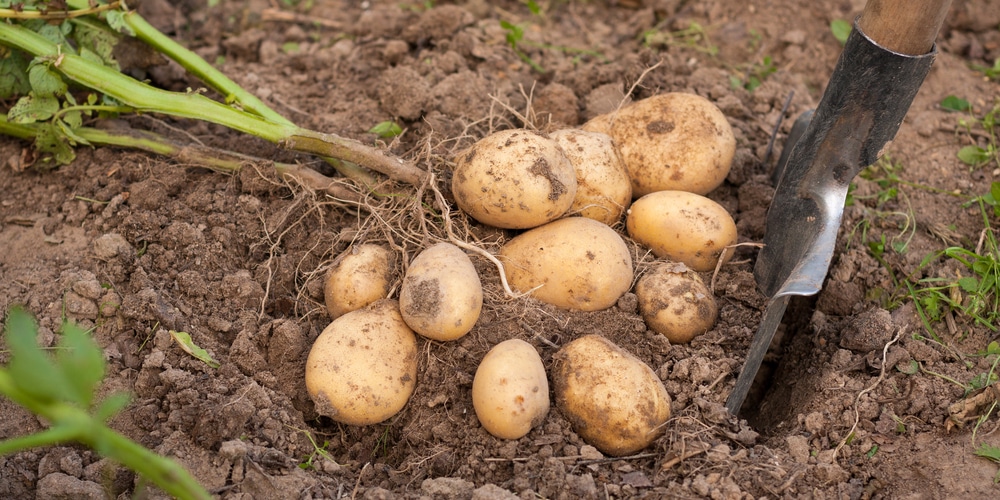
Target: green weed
[[991, 453], [993, 73], [693, 37], [840, 29], [980, 131], [61, 388], [386, 130], [754, 75]]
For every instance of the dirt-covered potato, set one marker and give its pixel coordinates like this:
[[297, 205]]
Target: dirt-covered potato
[[675, 302], [682, 227], [514, 179], [441, 296], [576, 263], [603, 187], [362, 369], [675, 141], [615, 402], [358, 277], [510, 392]]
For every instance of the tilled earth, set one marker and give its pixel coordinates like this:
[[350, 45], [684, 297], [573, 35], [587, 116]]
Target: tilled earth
[[133, 245]]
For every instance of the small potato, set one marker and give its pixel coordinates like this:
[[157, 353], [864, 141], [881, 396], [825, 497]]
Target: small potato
[[441, 296], [576, 263], [675, 141], [603, 187], [510, 392], [514, 179], [683, 227], [614, 400], [675, 302], [362, 369], [358, 277]]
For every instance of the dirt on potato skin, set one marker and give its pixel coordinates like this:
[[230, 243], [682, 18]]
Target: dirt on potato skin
[[133, 245]]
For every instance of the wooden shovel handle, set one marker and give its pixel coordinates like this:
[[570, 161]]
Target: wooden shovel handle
[[904, 26]]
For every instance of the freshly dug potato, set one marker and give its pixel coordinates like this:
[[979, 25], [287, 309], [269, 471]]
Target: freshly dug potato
[[674, 141], [603, 187], [675, 302], [441, 296], [363, 367], [577, 263], [359, 276], [614, 400], [683, 227], [514, 179], [510, 391]]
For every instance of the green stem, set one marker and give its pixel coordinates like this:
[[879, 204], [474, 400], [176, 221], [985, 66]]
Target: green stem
[[49, 437], [145, 98]]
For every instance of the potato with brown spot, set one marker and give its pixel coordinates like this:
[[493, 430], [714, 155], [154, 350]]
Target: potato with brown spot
[[682, 227], [614, 401], [514, 179], [358, 277], [675, 302], [510, 392], [363, 368], [441, 296], [575, 263], [604, 190], [675, 141]]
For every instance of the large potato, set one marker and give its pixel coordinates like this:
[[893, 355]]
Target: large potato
[[358, 277], [510, 392], [576, 263], [675, 302], [441, 296], [674, 141], [683, 227], [603, 187], [514, 179], [614, 400], [363, 367]]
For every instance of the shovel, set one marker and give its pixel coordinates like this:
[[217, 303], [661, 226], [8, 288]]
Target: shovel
[[883, 64]]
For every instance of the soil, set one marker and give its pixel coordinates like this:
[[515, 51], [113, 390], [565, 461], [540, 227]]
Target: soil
[[133, 245]]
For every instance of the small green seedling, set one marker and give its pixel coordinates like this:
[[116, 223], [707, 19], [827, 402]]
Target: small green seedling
[[60, 389], [386, 130], [515, 34], [993, 73], [991, 453], [754, 76], [841, 29], [693, 37], [955, 103]]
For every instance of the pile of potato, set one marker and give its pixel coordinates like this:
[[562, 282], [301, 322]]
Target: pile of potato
[[567, 191]]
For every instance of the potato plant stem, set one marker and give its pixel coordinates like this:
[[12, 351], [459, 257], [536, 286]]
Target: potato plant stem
[[146, 98]]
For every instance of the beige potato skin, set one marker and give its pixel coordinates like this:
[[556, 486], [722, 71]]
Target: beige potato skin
[[514, 179], [441, 296], [362, 369], [614, 401], [604, 190], [675, 302], [675, 141], [578, 263], [682, 227], [510, 392], [358, 277]]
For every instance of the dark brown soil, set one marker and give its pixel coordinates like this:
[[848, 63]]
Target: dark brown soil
[[133, 245]]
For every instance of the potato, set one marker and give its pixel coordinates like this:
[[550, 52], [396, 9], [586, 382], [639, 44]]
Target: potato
[[675, 302], [683, 227], [362, 369], [357, 278], [614, 400], [674, 141], [576, 263], [510, 392], [514, 179], [441, 296], [603, 187]]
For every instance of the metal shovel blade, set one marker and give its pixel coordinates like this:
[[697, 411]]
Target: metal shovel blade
[[868, 95]]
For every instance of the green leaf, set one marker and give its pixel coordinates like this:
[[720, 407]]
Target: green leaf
[[973, 155], [44, 81], [14, 75], [968, 284], [116, 20], [57, 35], [31, 109], [386, 129], [911, 368], [32, 370], [993, 348], [954, 103], [111, 406], [95, 40], [183, 339], [841, 29], [82, 363], [52, 140], [290, 47]]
